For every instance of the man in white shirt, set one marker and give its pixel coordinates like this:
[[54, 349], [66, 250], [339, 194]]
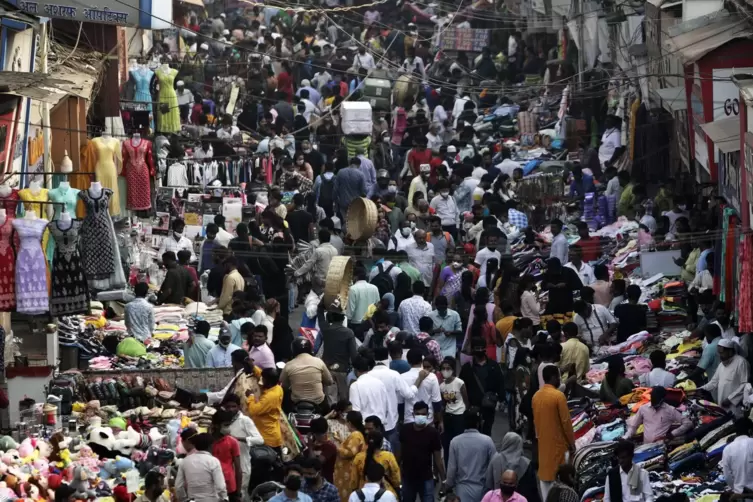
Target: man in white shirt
[[396, 387], [421, 255], [368, 394], [428, 391], [223, 236], [559, 248], [484, 255], [737, 458], [729, 380], [414, 64], [458, 108], [677, 212], [595, 323], [373, 487], [363, 59], [627, 482], [658, 376], [177, 241], [402, 238], [584, 270]]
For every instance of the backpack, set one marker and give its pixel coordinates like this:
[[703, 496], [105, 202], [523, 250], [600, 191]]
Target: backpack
[[327, 193], [383, 281], [377, 495]]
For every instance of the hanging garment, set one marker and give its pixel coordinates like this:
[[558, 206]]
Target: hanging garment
[[64, 195], [168, 101], [745, 298], [10, 203], [143, 79], [70, 292], [102, 156], [97, 237], [138, 164], [7, 266], [28, 198], [31, 267]]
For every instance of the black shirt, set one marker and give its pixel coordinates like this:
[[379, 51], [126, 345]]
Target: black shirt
[[178, 282], [214, 281], [339, 344], [300, 222], [417, 451], [632, 320]]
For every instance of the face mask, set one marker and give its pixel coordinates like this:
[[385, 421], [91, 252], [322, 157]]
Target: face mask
[[492, 248], [485, 212], [405, 231], [224, 342], [413, 225], [480, 353], [293, 483], [444, 194], [456, 264], [446, 374], [392, 189], [421, 420], [307, 150], [507, 490], [299, 162], [682, 207], [311, 480], [386, 139], [177, 235]]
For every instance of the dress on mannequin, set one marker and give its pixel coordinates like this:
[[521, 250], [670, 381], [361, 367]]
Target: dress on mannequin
[[10, 203], [65, 195], [138, 164], [167, 122], [97, 236], [102, 157], [29, 199], [142, 77], [70, 291], [31, 267], [8, 248]]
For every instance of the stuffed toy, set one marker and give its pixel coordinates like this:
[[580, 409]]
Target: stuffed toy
[[81, 482], [6, 493], [11, 457], [127, 441], [7, 443], [102, 441]]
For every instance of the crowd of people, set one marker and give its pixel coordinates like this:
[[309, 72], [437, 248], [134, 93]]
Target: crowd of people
[[441, 333]]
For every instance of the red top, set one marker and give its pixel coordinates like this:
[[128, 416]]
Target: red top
[[195, 279], [591, 248], [285, 84], [416, 158], [489, 332], [226, 450], [327, 452]]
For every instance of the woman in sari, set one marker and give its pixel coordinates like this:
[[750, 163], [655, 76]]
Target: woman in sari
[[451, 277], [345, 481]]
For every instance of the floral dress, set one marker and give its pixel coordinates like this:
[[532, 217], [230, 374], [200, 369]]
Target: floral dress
[[344, 480]]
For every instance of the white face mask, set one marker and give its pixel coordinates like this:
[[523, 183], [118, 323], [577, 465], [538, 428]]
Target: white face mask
[[412, 225], [392, 189], [456, 264], [682, 207], [444, 194], [405, 231], [177, 235], [386, 139], [307, 150], [446, 374]]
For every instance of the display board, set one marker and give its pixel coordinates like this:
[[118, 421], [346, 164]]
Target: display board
[[464, 39]]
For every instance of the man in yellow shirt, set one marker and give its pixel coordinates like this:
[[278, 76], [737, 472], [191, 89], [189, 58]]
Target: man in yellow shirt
[[504, 325], [267, 409], [574, 360], [232, 282]]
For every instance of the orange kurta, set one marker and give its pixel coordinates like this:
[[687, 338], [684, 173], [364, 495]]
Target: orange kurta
[[553, 429]]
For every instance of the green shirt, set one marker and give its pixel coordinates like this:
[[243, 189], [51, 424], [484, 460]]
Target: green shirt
[[195, 355], [412, 272], [627, 200]]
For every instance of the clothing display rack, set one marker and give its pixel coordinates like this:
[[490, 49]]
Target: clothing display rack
[[48, 173]]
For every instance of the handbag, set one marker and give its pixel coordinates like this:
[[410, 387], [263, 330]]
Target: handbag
[[490, 399], [263, 455]]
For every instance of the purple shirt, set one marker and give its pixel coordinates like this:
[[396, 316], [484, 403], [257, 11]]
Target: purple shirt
[[657, 422], [262, 356], [496, 496]]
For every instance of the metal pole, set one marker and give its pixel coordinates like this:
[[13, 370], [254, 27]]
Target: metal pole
[[581, 43], [44, 42]]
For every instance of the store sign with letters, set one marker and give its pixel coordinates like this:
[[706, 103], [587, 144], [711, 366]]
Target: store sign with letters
[[139, 13]]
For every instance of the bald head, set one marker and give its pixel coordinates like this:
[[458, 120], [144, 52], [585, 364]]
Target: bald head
[[420, 237], [508, 484]]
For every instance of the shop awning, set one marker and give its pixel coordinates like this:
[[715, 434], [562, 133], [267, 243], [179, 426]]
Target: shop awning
[[725, 134], [198, 3], [673, 99], [692, 44], [50, 88]]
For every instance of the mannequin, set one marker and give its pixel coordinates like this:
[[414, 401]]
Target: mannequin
[[3, 216], [95, 189], [64, 185], [139, 171], [30, 215], [5, 190], [66, 165], [65, 198], [167, 113], [136, 137], [35, 187], [65, 221], [103, 156]]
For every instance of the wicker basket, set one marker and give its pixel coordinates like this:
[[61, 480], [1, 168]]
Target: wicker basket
[[339, 278], [362, 219]]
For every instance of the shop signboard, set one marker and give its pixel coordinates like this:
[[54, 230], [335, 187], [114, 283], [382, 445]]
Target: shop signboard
[[146, 14], [729, 178], [464, 39]]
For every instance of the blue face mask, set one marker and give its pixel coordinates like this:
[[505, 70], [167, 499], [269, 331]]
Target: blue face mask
[[421, 420], [485, 212]]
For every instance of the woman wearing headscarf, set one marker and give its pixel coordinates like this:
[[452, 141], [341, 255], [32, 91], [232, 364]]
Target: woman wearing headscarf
[[615, 383], [510, 457], [402, 288]]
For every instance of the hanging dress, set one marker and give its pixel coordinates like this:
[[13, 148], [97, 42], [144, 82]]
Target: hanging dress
[[100, 253], [8, 249], [63, 195], [31, 267], [70, 292], [10, 203], [143, 80], [167, 122], [106, 152], [138, 167], [29, 199]]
